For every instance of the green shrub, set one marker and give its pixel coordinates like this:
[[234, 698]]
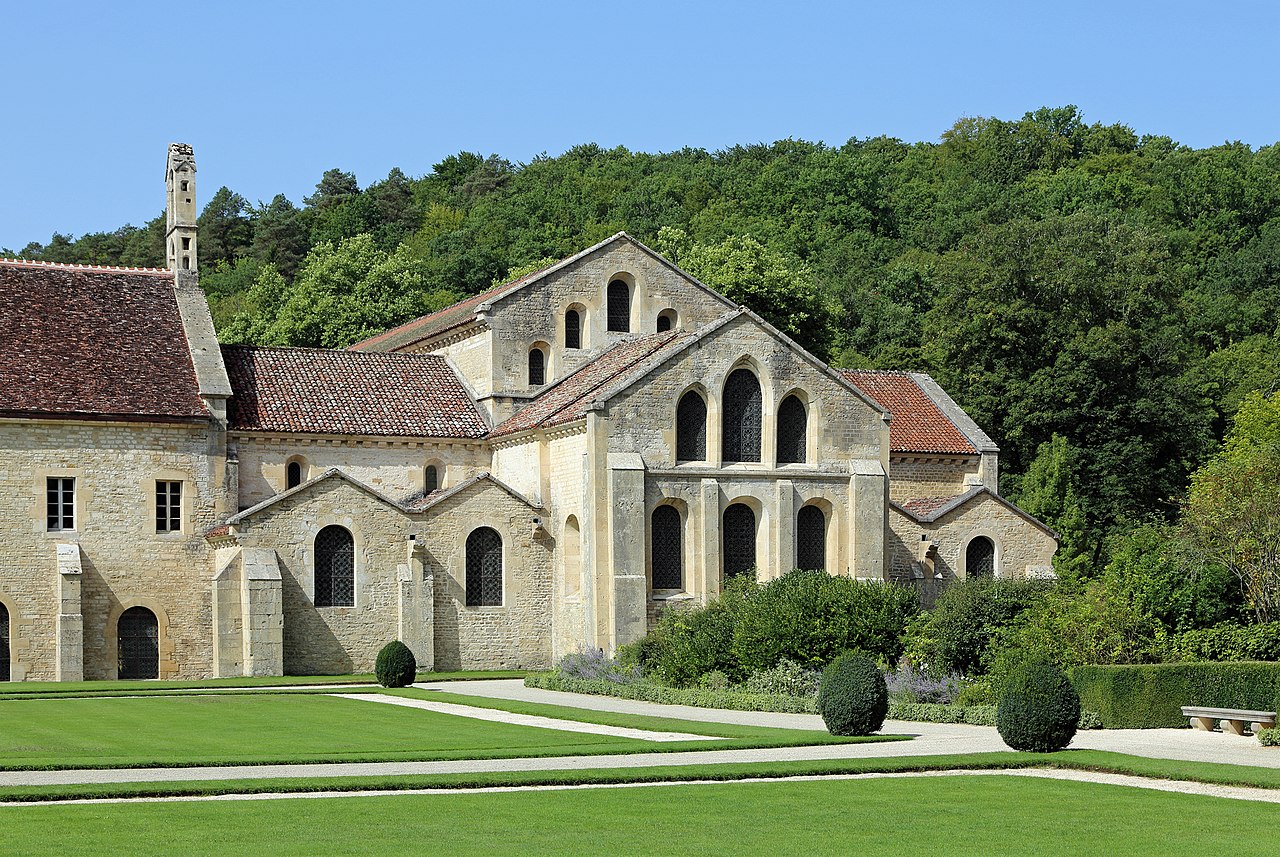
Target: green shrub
[[956, 634], [647, 691], [1089, 719], [1151, 696], [395, 666], [787, 678], [1039, 710], [810, 617], [1228, 642], [714, 680], [1269, 736], [853, 698], [694, 642]]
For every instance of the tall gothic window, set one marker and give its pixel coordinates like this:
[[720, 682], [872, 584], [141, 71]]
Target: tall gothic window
[[335, 557], [432, 478], [691, 428], [811, 538], [792, 430], [619, 310], [138, 644], [740, 432], [4, 643], [484, 568], [667, 550], [980, 558], [537, 367], [572, 329], [738, 532]]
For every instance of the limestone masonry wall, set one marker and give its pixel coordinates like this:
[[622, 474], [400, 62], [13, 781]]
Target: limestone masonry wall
[[912, 478]]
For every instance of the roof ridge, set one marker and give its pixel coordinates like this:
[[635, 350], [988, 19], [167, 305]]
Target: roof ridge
[[76, 266], [311, 349]]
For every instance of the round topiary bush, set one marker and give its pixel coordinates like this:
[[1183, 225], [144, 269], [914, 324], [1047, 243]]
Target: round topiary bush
[[1039, 709], [395, 666], [852, 696]]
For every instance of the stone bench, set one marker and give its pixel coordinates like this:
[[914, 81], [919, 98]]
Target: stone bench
[[1233, 720]]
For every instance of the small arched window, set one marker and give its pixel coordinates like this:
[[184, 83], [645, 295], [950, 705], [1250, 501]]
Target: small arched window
[[572, 329], [484, 568], [740, 435], [138, 644], [793, 421], [619, 309], [431, 479], [667, 548], [335, 578], [293, 475], [691, 428], [572, 554], [4, 643], [666, 320], [811, 538], [980, 558], [537, 367], [739, 537]]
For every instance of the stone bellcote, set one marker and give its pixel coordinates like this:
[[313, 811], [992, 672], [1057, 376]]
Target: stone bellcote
[[180, 211]]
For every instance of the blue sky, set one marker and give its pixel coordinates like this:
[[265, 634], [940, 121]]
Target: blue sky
[[273, 93]]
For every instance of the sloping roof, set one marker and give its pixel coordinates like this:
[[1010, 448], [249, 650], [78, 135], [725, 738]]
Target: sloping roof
[[437, 497], [918, 423], [93, 342], [569, 399], [928, 510], [347, 392], [466, 311]]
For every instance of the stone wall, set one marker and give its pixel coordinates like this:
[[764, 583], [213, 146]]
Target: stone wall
[[124, 562], [912, 478], [394, 467]]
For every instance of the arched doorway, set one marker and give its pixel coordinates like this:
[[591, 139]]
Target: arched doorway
[[980, 558], [4, 643], [138, 641], [739, 533]]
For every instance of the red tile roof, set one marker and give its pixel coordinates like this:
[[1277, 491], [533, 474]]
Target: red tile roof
[[93, 342], [568, 400], [918, 424], [925, 506], [347, 392]]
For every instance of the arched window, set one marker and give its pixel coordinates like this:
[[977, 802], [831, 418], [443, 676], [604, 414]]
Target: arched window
[[335, 568], [619, 310], [4, 643], [811, 538], [572, 329], [431, 479], [572, 554], [667, 548], [293, 475], [691, 428], [739, 536], [980, 558], [740, 433], [138, 644], [666, 320], [484, 568], [537, 367], [793, 422]]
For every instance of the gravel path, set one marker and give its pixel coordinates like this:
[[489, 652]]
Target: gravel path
[[1208, 790]]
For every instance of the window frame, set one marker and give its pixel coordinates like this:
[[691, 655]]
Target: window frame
[[676, 534], [474, 595], [541, 366], [574, 343], [60, 514], [617, 305], [733, 424], [168, 496], [329, 599]]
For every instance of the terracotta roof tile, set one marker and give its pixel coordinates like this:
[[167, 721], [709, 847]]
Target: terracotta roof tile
[[347, 392], [93, 342], [918, 424], [925, 506], [569, 399]]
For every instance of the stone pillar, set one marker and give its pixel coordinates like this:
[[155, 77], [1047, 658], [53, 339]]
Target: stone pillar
[[70, 623], [783, 555], [868, 519], [627, 549], [416, 607], [262, 608], [709, 555], [228, 622]]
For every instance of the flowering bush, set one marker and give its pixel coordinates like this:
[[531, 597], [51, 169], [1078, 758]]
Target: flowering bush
[[591, 664], [908, 684], [788, 678]]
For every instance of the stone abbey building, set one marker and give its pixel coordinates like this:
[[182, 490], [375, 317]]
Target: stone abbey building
[[546, 465]]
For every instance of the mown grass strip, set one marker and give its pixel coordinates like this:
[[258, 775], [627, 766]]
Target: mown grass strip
[[1084, 760]]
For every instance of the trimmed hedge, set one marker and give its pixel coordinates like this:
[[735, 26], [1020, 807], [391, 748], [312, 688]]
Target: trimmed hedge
[[852, 697], [396, 666], [1228, 642], [929, 712], [1151, 696], [1269, 736], [702, 697], [1039, 710]]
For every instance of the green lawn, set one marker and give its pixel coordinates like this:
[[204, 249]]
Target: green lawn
[[238, 729], [955, 816]]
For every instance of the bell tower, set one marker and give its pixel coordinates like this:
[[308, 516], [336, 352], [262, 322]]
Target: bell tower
[[180, 213]]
